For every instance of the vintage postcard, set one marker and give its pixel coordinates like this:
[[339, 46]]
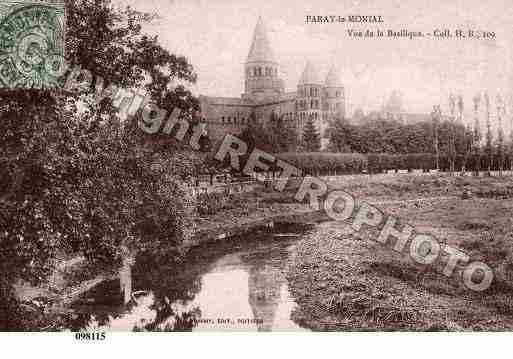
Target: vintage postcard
[[250, 166]]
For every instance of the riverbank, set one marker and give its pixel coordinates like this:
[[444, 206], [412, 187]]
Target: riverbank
[[402, 195], [346, 282], [73, 277]]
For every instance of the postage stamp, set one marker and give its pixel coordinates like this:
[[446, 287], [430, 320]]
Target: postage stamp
[[31, 44]]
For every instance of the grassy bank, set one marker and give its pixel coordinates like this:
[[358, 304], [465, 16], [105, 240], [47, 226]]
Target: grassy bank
[[346, 282]]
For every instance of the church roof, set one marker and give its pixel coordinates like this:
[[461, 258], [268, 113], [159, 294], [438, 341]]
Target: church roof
[[260, 50], [333, 78], [309, 76]]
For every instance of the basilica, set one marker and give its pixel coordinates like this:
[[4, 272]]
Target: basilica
[[320, 100]]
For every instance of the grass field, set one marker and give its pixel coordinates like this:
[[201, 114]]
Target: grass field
[[343, 282]]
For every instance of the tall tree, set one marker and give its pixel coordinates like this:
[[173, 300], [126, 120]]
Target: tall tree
[[281, 134], [452, 133], [500, 134], [436, 116], [489, 137], [255, 135], [465, 134], [311, 138], [339, 134], [80, 183], [476, 136], [511, 144]]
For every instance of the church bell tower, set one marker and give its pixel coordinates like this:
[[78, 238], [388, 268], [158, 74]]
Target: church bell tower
[[262, 80]]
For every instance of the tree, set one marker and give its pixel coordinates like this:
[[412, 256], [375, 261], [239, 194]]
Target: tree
[[255, 135], [465, 133], [339, 135], [452, 133], [489, 138], [281, 135], [500, 134], [511, 145], [476, 138], [435, 118], [311, 139], [80, 182]]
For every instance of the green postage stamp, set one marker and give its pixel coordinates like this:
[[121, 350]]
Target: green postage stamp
[[31, 44]]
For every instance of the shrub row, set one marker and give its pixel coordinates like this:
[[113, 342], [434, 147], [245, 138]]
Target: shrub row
[[321, 163], [350, 163], [382, 162]]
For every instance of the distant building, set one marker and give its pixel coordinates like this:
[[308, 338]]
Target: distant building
[[265, 93], [393, 108]]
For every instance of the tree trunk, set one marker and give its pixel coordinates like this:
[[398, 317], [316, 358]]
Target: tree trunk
[[125, 279]]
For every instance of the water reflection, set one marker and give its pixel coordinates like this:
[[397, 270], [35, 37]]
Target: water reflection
[[233, 286]]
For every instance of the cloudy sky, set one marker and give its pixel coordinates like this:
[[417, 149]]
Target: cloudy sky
[[216, 34]]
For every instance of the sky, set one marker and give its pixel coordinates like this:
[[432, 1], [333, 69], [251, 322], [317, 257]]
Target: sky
[[215, 35]]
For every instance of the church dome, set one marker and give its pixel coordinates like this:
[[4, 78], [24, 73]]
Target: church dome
[[309, 76]]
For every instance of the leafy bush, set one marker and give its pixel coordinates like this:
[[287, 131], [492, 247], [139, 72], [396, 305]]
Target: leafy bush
[[381, 162], [321, 163]]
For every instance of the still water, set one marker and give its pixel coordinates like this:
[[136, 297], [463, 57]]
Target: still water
[[236, 285]]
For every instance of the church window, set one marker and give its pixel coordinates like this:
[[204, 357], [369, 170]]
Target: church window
[[259, 71]]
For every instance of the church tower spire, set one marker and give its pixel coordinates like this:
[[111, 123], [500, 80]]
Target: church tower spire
[[261, 69], [260, 50]]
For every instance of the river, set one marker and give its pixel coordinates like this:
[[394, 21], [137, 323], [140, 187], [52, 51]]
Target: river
[[239, 284]]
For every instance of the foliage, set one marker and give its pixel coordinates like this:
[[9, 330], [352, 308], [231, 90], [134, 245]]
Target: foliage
[[255, 135], [382, 162], [389, 136], [321, 163], [276, 135], [282, 136], [340, 133], [78, 179], [311, 141]]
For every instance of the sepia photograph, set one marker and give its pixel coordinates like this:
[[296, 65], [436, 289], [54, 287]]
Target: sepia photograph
[[246, 166]]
